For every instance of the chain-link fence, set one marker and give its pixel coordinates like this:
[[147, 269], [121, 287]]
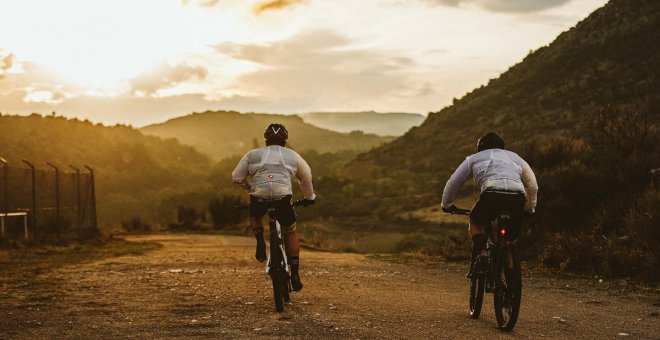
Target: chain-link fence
[[46, 203]]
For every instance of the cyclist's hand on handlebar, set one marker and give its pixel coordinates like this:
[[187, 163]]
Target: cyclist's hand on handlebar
[[529, 211], [304, 202], [454, 210]]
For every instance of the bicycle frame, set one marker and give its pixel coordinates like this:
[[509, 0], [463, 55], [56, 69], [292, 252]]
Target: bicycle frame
[[279, 241], [503, 275], [495, 246], [277, 265]]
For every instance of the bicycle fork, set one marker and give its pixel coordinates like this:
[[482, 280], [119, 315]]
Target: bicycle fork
[[276, 240]]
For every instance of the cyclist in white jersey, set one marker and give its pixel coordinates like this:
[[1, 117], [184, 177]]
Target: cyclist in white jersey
[[506, 182], [272, 168]]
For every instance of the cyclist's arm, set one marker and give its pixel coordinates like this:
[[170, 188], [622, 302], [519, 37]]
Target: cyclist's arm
[[304, 175], [240, 174], [454, 183], [531, 187]]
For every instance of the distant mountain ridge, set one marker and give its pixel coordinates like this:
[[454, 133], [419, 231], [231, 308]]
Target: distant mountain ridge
[[382, 124], [611, 57], [223, 134]]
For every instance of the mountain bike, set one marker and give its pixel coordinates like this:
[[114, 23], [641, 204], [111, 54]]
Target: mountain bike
[[277, 265], [503, 275]]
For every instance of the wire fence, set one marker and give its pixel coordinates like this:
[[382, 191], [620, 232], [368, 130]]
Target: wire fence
[[46, 203]]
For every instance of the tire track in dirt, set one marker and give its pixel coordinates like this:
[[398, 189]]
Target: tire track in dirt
[[209, 286]]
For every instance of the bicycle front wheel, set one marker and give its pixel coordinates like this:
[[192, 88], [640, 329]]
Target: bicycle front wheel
[[285, 287], [276, 271], [277, 290], [508, 290]]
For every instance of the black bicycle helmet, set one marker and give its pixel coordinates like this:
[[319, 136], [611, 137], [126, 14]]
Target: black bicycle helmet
[[490, 140], [276, 131]]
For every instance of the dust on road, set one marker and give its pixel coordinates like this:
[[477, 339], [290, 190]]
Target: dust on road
[[209, 286]]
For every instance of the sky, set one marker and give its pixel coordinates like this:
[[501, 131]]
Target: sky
[[139, 62]]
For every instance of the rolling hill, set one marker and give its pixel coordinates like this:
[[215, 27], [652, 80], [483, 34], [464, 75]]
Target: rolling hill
[[134, 172], [382, 124], [225, 134], [611, 57]]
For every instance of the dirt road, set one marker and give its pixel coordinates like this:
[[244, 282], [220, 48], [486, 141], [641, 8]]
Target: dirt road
[[200, 286]]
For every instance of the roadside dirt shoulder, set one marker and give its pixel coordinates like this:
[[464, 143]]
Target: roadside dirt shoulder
[[210, 286]]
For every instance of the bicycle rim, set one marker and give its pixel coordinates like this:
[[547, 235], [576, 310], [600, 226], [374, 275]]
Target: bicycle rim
[[508, 292], [476, 296]]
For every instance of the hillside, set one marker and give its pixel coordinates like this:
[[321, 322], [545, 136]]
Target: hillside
[[382, 124], [224, 134], [611, 57], [585, 112], [134, 172]]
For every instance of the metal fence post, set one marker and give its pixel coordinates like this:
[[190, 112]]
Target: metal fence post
[[57, 197], [78, 210], [655, 175], [34, 198], [5, 201], [91, 173]]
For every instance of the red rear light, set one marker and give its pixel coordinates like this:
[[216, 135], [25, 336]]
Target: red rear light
[[503, 231]]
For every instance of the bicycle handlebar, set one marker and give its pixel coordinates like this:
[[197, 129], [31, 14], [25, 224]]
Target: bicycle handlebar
[[296, 203], [459, 211]]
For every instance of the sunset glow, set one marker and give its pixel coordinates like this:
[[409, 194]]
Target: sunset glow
[[268, 56]]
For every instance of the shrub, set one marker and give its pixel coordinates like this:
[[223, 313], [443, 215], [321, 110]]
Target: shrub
[[224, 210], [189, 219], [453, 246], [137, 225]]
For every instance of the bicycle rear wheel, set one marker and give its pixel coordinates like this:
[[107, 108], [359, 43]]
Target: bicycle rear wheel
[[476, 296], [276, 272], [508, 290]]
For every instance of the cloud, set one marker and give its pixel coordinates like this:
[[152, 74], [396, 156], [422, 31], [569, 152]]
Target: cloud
[[521, 6], [276, 5], [165, 76], [6, 62], [43, 96], [426, 90], [109, 110], [202, 3], [322, 69]]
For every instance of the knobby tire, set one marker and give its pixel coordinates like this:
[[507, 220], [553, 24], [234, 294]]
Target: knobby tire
[[276, 272], [284, 278], [476, 296], [508, 290]]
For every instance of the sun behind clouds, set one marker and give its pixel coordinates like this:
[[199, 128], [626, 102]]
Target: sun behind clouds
[[141, 61]]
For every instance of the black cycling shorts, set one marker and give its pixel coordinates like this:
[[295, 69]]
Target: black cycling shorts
[[492, 203], [283, 210]]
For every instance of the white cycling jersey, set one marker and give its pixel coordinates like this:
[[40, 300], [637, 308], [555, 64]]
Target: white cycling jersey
[[271, 169], [494, 169]]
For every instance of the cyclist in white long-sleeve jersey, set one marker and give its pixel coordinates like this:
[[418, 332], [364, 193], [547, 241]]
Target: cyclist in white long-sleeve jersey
[[272, 168], [507, 183]]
